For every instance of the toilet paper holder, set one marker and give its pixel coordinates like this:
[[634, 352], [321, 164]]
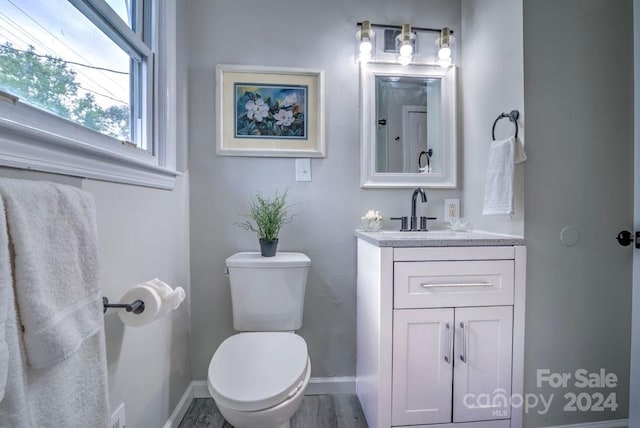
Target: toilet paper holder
[[137, 307]]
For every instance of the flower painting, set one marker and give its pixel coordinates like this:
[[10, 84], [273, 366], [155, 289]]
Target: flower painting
[[270, 111]]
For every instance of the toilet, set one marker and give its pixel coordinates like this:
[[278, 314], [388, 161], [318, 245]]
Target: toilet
[[259, 376]]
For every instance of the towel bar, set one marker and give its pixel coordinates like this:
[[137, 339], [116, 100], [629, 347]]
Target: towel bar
[[513, 116], [137, 307]]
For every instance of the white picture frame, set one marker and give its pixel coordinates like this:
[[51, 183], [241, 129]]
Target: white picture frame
[[269, 111]]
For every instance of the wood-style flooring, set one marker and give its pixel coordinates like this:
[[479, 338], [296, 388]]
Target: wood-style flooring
[[316, 411]]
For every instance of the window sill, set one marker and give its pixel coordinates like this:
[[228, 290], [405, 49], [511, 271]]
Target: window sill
[[30, 147]]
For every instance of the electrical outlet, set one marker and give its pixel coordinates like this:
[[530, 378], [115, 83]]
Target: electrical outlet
[[451, 209], [117, 418]]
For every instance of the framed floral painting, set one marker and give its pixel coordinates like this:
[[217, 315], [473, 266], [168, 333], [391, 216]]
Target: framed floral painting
[[266, 111]]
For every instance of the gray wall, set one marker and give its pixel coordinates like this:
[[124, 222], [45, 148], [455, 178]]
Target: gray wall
[[143, 234], [579, 100], [634, 399], [492, 82], [289, 33]]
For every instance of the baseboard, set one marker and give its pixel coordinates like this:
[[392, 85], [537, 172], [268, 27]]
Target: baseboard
[[200, 389], [317, 386], [181, 408], [331, 385], [618, 423]]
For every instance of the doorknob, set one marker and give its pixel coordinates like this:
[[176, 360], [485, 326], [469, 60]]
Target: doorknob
[[624, 238]]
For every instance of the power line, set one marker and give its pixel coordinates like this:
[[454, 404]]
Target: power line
[[103, 95], [78, 85], [61, 41], [65, 61], [15, 29]]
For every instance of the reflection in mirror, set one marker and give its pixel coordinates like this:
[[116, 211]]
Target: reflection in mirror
[[408, 134], [408, 126]]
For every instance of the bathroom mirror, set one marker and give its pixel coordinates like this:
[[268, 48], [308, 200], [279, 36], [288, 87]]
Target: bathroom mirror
[[408, 126]]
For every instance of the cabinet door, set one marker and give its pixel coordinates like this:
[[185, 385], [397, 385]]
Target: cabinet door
[[422, 366], [482, 363]]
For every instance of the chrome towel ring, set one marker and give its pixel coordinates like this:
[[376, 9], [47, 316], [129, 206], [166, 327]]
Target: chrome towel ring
[[513, 116]]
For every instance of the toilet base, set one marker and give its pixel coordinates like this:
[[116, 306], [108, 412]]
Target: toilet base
[[274, 417]]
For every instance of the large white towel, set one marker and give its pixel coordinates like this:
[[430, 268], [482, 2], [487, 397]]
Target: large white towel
[[61, 350], [15, 408], [5, 293], [499, 181]]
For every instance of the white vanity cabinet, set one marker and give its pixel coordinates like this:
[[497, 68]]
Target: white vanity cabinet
[[440, 332]]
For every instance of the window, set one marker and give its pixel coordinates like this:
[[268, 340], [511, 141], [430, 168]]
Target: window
[[77, 79]]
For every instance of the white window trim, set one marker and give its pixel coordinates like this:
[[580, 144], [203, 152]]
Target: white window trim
[[33, 139]]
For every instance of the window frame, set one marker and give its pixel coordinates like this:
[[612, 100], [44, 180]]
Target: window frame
[[31, 138]]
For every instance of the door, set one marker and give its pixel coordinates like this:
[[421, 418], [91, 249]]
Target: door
[[482, 363], [422, 366], [414, 132]]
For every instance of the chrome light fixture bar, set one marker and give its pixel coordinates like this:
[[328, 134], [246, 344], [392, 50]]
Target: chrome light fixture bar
[[405, 42]]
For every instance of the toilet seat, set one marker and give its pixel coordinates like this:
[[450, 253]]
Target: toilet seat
[[257, 370]]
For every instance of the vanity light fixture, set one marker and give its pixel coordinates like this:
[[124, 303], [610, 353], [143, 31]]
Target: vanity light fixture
[[366, 39], [402, 41], [404, 45], [444, 43]]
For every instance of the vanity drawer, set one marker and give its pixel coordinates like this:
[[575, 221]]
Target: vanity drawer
[[453, 283]]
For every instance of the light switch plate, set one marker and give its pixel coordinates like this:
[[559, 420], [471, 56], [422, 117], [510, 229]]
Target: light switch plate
[[303, 169], [451, 209]]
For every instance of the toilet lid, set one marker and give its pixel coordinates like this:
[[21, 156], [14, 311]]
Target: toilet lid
[[255, 371]]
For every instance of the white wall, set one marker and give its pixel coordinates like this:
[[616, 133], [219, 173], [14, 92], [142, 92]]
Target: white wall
[[290, 33], [579, 104], [493, 83], [143, 234]]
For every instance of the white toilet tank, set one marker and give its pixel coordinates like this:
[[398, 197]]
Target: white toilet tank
[[267, 293]]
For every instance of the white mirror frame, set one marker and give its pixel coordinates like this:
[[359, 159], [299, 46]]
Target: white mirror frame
[[369, 178]]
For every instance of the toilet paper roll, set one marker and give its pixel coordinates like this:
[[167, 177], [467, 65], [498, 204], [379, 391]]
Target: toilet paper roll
[[153, 306]]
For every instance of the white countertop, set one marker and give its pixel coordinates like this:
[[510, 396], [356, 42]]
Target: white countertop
[[438, 238]]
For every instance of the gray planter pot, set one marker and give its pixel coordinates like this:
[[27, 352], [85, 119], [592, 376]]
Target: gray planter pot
[[268, 248]]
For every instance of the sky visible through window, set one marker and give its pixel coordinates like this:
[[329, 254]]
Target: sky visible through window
[[53, 57]]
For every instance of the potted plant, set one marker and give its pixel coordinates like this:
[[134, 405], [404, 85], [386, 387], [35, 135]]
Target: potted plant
[[267, 216]]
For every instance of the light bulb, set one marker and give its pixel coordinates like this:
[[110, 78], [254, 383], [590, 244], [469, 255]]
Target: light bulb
[[406, 50], [444, 43], [404, 60], [444, 52], [364, 57], [366, 47], [444, 63]]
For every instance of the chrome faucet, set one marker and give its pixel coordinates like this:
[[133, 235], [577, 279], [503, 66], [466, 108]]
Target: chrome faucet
[[404, 220], [414, 219]]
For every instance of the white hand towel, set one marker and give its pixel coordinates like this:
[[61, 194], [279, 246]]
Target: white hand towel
[[499, 181]]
